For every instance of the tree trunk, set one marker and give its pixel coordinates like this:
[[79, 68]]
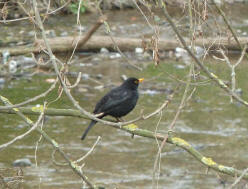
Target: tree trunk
[[63, 44]]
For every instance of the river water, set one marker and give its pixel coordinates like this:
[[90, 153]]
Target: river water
[[213, 125]]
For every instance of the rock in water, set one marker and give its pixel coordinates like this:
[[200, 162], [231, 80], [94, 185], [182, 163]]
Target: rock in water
[[25, 162]]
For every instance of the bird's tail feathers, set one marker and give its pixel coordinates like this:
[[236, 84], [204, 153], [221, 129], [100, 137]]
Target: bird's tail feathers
[[92, 123]]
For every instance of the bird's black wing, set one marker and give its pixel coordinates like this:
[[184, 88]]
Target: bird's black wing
[[112, 99]]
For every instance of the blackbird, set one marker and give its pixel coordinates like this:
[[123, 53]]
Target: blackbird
[[118, 102]]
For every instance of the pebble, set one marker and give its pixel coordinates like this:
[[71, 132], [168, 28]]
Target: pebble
[[2, 81], [64, 33], [12, 66], [83, 90], [25, 162], [80, 28], [99, 76], [6, 56], [149, 92], [218, 2], [25, 62], [104, 50], [50, 80], [20, 126], [85, 65], [199, 51], [96, 59], [31, 33], [239, 91], [157, 18], [113, 28], [115, 55], [99, 87], [50, 33], [139, 50], [17, 15], [85, 76], [147, 56], [179, 52], [180, 66]]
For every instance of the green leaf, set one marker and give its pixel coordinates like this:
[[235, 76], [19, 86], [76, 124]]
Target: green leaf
[[74, 7]]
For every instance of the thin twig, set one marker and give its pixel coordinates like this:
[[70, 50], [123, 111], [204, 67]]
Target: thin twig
[[36, 124], [232, 67], [211, 75], [31, 99], [28, 17], [77, 81], [157, 164], [52, 57], [227, 22], [74, 166], [116, 46], [89, 152], [54, 159], [148, 134], [238, 179], [175, 118], [93, 29]]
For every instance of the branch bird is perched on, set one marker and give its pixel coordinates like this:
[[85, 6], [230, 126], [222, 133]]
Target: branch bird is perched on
[[118, 102]]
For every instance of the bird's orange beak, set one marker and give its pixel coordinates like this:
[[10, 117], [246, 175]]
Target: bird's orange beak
[[141, 80]]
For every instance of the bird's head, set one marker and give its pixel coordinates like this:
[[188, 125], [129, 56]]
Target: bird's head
[[132, 82]]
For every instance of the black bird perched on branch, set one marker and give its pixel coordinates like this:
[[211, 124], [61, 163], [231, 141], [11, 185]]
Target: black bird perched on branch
[[118, 102]]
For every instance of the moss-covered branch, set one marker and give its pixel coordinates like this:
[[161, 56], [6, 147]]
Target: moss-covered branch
[[49, 111], [56, 146], [133, 129]]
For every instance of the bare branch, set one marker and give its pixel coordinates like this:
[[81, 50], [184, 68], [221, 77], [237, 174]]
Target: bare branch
[[239, 179], [211, 75], [36, 124], [77, 81], [74, 166], [31, 99], [89, 152]]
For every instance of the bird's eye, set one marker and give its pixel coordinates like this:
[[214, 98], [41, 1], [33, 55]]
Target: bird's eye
[[136, 81]]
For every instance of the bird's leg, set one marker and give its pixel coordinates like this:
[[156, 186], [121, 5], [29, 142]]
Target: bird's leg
[[119, 119], [132, 136]]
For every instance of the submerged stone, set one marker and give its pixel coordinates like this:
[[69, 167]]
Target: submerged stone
[[104, 50], [25, 162]]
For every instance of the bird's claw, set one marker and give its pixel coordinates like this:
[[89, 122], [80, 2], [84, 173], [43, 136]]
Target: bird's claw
[[119, 119], [132, 136]]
